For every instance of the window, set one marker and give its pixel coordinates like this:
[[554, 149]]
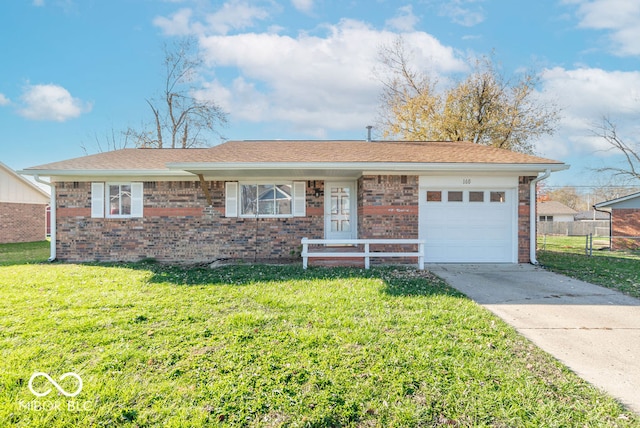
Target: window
[[497, 197], [434, 196], [116, 200], [476, 196], [119, 200], [265, 199], [546, 218], [454, 196]]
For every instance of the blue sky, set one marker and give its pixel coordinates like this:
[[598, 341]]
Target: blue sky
[[74, 70]]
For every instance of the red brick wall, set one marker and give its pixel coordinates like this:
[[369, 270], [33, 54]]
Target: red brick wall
[[178, 226], [524, 221], [22, 222], [388, 209], [625, 225]]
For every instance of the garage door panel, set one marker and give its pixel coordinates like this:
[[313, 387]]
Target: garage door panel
[[468, 232], [459, 253]]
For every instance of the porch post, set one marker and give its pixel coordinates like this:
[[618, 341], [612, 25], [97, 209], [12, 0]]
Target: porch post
[[305, 250]]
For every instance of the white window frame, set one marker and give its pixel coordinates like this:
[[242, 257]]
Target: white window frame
[[100, 200], [233, 198]]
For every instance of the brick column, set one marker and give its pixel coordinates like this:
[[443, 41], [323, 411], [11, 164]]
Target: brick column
[[524, 221]]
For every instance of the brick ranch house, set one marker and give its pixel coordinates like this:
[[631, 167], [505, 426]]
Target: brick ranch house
[[625, 221], [22, 208], [255, 200]]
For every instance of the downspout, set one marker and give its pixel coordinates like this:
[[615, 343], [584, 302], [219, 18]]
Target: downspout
[[610, 213], [533, 235], [52, 218]]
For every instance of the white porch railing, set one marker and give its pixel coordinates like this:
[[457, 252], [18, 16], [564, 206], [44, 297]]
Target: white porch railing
[[366, 254]]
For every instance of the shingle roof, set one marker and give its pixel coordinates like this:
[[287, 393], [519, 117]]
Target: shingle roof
[[362, 151], [554, 208], [125, 159], [591, 215], [297, 152]]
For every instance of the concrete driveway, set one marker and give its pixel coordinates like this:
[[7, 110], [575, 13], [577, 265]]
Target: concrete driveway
[[592, 330]]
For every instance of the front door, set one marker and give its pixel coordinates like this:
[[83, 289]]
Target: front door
[[339, 210]]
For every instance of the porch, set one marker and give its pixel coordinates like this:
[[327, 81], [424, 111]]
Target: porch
[[358, 252]]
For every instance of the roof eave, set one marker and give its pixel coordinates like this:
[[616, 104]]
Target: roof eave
[[105, 172], [188, 169], [612, 202], [390, 166]]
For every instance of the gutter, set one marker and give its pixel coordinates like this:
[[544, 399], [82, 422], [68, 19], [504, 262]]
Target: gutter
[[52, 204], [533, 236], [104, 173], [203, 167]]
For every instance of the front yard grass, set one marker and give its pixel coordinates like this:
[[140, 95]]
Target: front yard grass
[[272, 346], [618, 270], [29, 252]]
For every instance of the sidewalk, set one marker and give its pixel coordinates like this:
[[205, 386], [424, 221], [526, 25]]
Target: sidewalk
[[593, 330]]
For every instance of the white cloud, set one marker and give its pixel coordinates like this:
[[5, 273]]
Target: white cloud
[[303, 5], [586, 95], [404, 21], [463, 12], [233, 15], [314, 83], [38, 3], [619, 17], [51, 102], [4, 100], [179, 24]]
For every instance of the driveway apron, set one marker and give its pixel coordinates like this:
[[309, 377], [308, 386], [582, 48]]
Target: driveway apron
[[593, 330]]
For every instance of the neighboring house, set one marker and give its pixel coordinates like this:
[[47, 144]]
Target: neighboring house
[[555, 211], [591, 215], [625, 221], [256, 200], [22, 208], [555, 218]]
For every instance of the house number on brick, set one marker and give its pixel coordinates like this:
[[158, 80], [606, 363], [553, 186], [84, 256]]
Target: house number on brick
[[466, 181]]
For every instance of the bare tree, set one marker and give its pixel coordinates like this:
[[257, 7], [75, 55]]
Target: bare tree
[[485, 108], [180, 119], [567, 195], [111, 140], [608, 131]]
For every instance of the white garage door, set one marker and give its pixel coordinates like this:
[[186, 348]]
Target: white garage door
[[469, 224]]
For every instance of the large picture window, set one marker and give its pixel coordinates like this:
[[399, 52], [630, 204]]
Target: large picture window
[[265, 199]]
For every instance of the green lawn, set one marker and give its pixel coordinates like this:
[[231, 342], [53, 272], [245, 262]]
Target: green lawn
[[30, 252], [272, 346], [619, 270]]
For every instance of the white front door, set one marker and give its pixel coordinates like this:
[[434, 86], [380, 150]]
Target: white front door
[[339, 210]]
